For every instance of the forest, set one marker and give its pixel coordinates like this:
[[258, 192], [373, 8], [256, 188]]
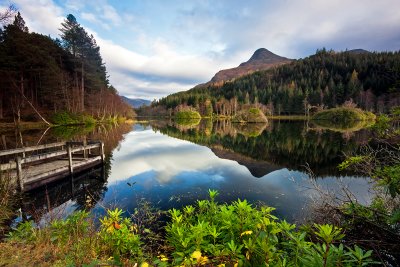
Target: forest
[[370, 80], [41, 76]]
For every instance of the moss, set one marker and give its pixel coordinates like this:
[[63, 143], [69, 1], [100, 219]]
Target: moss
[[250, 115]]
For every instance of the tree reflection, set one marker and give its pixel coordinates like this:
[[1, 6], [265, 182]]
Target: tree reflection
[[280, 143]]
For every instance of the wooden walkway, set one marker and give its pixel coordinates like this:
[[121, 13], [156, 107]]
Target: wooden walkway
[[31, 167]]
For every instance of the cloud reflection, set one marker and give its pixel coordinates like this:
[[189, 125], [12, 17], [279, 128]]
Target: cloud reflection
[[170, 172], [144, 151]]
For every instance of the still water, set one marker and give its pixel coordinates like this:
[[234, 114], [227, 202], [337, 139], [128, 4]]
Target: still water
[[171, 165]]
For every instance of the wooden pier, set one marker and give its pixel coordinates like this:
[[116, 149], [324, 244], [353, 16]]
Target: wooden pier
[[32, 167]]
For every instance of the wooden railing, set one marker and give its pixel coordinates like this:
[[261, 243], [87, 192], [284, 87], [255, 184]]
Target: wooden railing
[[41, 154]]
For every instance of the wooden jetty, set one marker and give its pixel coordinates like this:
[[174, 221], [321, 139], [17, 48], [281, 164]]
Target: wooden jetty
[[31, 167]]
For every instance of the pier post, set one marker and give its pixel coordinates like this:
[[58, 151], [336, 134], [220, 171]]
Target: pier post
[[85, 154], [19, 173], [102, 151], [71, 169]]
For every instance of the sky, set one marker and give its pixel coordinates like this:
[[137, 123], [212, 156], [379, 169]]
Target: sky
[[158, 47]]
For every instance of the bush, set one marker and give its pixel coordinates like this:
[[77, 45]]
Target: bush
[[187, 114], [117, 235], [67, 118], [250, 115], [240, 234], [344, 114]]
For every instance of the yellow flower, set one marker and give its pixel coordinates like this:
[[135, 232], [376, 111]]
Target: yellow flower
[[203, 260], [144, 264], [248, 255], [196, 255], [249, 232], [162, 257], [236, 264], [221, 265]]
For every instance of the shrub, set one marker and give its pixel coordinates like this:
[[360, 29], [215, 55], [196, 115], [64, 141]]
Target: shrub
[[187, 114], [344, 114], [243, 235], [67, 118], [250, 115], [117, 235], [64, 118]]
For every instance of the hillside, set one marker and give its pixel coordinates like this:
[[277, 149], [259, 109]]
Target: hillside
[[136, 102], [262, 59], [370, 80], [41, 76]]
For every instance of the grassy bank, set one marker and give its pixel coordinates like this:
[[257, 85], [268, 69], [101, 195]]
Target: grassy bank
[[67, 118], [207, 233]]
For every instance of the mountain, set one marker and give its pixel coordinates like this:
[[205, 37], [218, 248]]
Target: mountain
[[258, 168], [136, 102], [358, 51], [262, 59], [326, 79]]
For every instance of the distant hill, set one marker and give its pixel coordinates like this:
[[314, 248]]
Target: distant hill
[[358, 51], [262, 59], [136, 102], [327, 79]]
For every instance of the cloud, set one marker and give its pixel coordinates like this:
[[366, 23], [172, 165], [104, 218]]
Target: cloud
[[298, 28], [42, 16], [156, 48], [129, 70], [111, 14]]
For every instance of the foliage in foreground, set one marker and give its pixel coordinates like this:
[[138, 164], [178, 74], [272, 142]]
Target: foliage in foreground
[[239, 234], [236, 234], [380, 160]]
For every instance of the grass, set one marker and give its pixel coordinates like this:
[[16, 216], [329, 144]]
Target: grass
[[7, 201]]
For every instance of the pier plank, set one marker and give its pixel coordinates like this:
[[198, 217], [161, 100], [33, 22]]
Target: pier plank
[[37, 170]]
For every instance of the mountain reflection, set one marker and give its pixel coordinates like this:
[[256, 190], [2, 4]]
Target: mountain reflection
[[263, 148]]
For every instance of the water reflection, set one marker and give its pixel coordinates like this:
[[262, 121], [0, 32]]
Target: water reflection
[[278, 144], [172, 165], [158, 164]]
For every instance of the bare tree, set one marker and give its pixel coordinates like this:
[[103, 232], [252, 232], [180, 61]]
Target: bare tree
[[7, 14]]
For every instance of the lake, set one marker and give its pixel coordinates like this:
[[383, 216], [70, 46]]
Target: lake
[[170, 164]]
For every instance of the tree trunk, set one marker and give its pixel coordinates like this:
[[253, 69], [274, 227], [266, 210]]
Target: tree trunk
[[22, 88], [18, 110], [83, 90], [1, 105]]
